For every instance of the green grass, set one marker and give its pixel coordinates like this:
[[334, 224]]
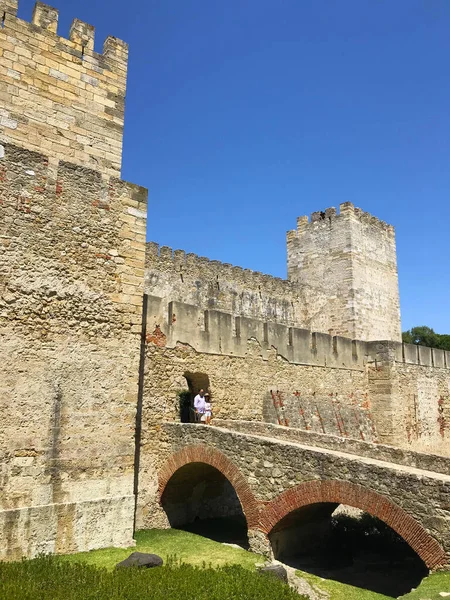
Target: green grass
[[340, 591], [430, 588], [191, 549], [195, 550], [187, 547], [49, 578]]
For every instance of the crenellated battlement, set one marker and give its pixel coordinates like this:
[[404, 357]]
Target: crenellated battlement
[[79, 42], [164, 258], [59, 96], [331, 216], [217, 332]]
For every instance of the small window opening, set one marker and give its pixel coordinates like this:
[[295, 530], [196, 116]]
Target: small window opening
[[3, 19]]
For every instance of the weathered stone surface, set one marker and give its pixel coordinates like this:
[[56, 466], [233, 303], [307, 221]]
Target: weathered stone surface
[[406, 498], [342, 279], [277, 571], [71, 285], [58, 96], [141, 559], [277, 354], [352, 254]]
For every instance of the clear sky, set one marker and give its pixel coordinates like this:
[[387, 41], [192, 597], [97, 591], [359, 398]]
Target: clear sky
[[244, 114]]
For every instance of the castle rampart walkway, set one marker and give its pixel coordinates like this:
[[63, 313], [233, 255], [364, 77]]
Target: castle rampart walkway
[[274, 477]]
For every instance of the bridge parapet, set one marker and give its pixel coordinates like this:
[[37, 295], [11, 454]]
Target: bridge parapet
[[409, 458]]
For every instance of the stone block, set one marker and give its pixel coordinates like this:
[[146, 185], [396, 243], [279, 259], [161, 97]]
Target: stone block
[[342, 355], [322, 345], [251, 329], [399, 352], [438, 358], [219, 330], [277, 336], [186, 325], [45, 16], [82, 34], [411, 354], [425, 356], [301, 346]]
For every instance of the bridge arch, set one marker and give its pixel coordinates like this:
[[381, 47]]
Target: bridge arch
[[357, 496], [208, 455]]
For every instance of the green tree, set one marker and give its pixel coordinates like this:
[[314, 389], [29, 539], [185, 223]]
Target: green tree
[[426, 336]]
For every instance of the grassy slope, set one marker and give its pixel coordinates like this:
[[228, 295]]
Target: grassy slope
[[187, 547], [340, 591], [196, 550], [431, 587]]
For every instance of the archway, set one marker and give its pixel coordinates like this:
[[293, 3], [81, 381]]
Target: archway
[[382, 548], [195, 381], [202, 491]]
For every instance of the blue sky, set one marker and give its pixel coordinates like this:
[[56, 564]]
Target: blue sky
[[244, 114]]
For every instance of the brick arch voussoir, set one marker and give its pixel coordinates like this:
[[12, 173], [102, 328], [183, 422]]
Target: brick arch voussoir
[[213, 457], [344, 492]]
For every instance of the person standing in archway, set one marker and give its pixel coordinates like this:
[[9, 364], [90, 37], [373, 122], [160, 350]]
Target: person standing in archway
[[207, 409], [199, 405]]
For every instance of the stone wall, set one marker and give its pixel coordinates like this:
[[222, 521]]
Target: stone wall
[[342, 279], [242, 372], [374, 411], [260, 371], [424, 394], [410, 386], [351, 256], [58, 96], [217, 332], [210, 284], [71, 284], [338, 413]]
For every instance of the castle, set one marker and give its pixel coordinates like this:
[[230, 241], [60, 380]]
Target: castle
[[101, 331]]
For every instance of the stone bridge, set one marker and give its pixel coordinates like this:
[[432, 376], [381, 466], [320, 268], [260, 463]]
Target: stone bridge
[[282, 481]]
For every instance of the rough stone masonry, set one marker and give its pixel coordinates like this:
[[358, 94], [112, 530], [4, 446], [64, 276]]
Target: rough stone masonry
[[100, 334], [72, 241]]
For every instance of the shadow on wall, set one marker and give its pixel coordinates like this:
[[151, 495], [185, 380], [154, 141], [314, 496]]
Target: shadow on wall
[[198, 498], [347, 545]]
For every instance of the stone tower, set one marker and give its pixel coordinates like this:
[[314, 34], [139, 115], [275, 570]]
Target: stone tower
[[72, 245], [58, 96], [351, 256]]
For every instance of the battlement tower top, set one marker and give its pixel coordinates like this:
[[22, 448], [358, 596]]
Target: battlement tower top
[[346, 211], [59, 96], [351, 255]]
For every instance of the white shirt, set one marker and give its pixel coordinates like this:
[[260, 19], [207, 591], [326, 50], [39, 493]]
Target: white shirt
[[199, 403]]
